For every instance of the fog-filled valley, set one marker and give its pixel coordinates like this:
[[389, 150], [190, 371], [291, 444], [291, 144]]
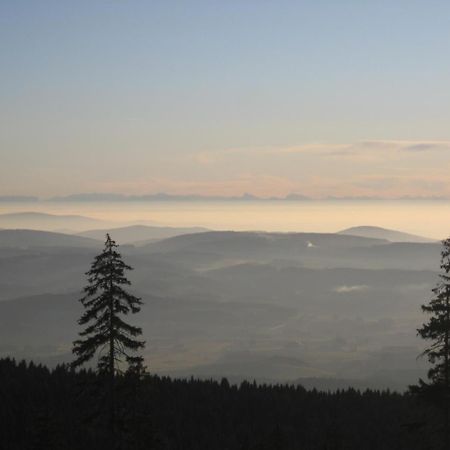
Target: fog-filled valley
[[322, 309]]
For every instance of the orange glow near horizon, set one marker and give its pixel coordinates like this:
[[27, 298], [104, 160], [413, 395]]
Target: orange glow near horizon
[[430, 219]]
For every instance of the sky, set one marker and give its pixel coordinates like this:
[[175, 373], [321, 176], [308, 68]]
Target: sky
[[320, 98]]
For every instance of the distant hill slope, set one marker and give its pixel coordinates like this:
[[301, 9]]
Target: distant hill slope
[[242, 241], [47, 222], [218, 248], [140, 234], [39, 239], [384, 233]]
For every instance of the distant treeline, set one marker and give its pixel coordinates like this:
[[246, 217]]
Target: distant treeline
[[62, 409]]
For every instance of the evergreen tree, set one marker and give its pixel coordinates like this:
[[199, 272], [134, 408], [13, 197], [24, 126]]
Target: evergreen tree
[[106, 334], [437, 330]]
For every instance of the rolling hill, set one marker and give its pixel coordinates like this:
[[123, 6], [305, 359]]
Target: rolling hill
[[37, 239], [234, 242], [384, 233]]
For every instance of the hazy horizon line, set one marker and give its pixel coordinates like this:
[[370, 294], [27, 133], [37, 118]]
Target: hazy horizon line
[[163, 196]]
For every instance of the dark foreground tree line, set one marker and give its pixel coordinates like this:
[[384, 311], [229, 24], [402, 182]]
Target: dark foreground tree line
[[43, 409], [119, 406]]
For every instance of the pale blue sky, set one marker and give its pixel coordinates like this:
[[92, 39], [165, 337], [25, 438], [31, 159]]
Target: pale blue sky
[[143, 96]]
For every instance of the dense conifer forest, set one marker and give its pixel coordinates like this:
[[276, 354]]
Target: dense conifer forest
[[64, 409]]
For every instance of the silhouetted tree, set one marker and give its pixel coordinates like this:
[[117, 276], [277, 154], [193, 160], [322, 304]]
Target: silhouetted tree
[[106, 334], [437, 330]]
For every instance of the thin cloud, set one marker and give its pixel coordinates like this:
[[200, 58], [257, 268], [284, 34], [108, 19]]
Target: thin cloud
[[347, 289], [427, 146], [360, 148]]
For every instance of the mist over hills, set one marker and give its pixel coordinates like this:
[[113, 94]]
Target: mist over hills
[[271, 306]]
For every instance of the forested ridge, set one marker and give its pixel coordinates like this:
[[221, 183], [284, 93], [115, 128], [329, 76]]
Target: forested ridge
[[60, 408]]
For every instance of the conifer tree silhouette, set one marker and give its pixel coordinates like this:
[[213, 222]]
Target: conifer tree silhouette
[[437, 330], [106, 334]]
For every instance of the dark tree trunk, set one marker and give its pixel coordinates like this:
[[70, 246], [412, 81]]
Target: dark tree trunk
[[112, 393]]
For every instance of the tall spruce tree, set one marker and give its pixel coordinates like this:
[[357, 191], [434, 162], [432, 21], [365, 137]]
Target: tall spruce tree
[[437, 330], [106, 334]]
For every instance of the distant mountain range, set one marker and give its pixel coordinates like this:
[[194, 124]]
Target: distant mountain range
[[383, 233], [163, 197], [98, 197]]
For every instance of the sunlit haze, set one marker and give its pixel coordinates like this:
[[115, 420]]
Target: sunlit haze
[[301, 216]]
